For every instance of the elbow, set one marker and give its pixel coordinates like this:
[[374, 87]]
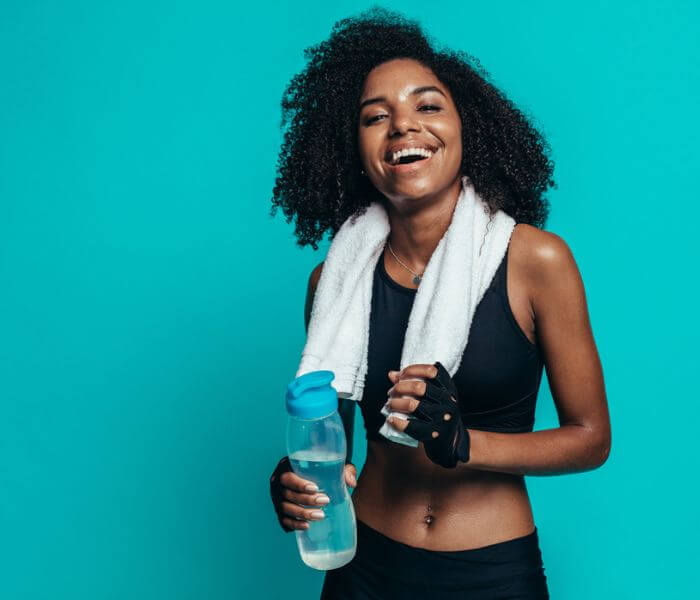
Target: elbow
[[597, 446], [604, 454], [602, 447]]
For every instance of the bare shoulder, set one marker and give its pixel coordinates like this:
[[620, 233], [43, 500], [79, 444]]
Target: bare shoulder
[[549, 272], [540, 254]]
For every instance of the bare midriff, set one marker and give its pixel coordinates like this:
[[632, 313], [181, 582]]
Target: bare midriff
[[408, 498]]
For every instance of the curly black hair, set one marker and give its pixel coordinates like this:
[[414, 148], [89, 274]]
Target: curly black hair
[[318, 170]]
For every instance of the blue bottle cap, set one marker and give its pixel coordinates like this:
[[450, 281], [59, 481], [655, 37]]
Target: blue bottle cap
[[311, 396]]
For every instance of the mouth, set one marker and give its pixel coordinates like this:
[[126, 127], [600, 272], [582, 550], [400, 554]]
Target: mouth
[[410, 163]]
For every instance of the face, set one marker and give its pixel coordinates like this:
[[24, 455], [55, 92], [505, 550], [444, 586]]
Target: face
[[404, 106]]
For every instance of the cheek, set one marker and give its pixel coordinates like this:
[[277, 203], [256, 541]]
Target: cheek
[[450, 130], [451, 134], [366, 145]]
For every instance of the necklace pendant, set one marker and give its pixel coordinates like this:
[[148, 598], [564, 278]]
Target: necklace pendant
[[417, 279]]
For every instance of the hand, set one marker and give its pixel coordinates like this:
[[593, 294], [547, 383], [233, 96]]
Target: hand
[[433, 402], [288, 492]]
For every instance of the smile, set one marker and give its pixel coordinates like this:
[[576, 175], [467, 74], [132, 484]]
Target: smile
[[415, 164]]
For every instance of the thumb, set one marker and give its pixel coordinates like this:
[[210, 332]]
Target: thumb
[[351, 475]]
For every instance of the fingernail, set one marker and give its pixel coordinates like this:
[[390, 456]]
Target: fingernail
[[391, 389], [311, 487], [317, 514], [322, 499]]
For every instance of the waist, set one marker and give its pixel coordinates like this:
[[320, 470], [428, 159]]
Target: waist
[[406, 497]]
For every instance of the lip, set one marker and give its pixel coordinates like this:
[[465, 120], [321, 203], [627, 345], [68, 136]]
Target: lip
[[410, 167]]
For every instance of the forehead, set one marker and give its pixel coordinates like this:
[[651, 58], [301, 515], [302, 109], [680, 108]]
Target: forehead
[[397, 75]]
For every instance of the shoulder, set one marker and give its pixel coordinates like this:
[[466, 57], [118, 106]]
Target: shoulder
[[540, 252], [545, 259]]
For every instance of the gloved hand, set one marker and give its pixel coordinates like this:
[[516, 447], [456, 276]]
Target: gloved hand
[[293, 502], [437, 411]]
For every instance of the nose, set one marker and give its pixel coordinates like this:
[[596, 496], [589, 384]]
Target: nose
[[402, 121]]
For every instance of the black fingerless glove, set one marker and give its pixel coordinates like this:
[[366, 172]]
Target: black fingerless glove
[[276, 489], [440, 398]]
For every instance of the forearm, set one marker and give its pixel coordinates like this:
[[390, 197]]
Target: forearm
[[566, 449]]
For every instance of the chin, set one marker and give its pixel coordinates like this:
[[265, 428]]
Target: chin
[[418, 186]]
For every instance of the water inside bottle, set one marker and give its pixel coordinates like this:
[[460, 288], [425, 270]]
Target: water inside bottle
[[330, 542]]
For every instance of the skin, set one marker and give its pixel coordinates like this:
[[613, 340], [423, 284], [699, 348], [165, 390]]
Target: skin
[[400, 492]]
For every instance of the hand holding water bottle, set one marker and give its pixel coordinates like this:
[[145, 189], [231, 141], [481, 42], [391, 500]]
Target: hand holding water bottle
[[291, 498], [316, 451]]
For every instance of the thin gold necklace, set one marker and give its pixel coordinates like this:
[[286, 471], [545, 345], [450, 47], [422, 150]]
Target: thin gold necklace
[[416, 277]]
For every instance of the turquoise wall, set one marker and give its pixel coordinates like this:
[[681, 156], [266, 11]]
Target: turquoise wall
[[151, 311]]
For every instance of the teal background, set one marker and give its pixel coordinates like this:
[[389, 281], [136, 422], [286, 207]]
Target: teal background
[[151, 311]]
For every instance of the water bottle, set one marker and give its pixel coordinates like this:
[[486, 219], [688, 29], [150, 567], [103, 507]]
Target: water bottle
[[316, 447]]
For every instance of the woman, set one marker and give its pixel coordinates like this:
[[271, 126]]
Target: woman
[[375, 88]]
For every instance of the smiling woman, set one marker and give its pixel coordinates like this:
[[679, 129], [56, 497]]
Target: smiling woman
[[379, 115], [416, 168]]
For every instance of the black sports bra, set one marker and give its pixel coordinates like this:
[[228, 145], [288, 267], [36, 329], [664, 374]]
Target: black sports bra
[[498, 377]]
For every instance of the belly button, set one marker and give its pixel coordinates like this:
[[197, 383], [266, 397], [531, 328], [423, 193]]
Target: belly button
[[429, 519]]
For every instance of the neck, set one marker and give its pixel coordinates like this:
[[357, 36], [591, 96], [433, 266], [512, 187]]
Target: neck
[[417, 226]]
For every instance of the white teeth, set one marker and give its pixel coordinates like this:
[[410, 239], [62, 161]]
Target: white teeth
[[396, 156]]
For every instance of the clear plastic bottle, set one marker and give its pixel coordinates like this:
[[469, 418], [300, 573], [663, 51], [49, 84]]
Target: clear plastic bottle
[[317, 448]]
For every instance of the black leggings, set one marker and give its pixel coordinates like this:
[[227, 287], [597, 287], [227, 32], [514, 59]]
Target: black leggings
[[384, 569]]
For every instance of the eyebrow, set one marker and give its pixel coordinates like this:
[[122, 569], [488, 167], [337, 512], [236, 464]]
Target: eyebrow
[[418, 90]]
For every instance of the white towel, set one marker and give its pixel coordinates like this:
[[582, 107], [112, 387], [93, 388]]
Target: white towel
[[456, 277]]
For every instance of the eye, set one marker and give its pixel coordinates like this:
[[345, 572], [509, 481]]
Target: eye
[[372, 119], [430, 106]]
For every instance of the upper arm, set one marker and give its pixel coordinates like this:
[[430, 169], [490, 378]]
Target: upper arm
[[345, 407], [310, 292], [564, 331]]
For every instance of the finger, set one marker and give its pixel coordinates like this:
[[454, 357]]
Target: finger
[[429, 412], [295, 523], [299, 512], [291, 480], [437, 394], [350, 475], [397, 423], [405, 404], [307, 499], [407, 387], [417, 370], [420, 431]]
